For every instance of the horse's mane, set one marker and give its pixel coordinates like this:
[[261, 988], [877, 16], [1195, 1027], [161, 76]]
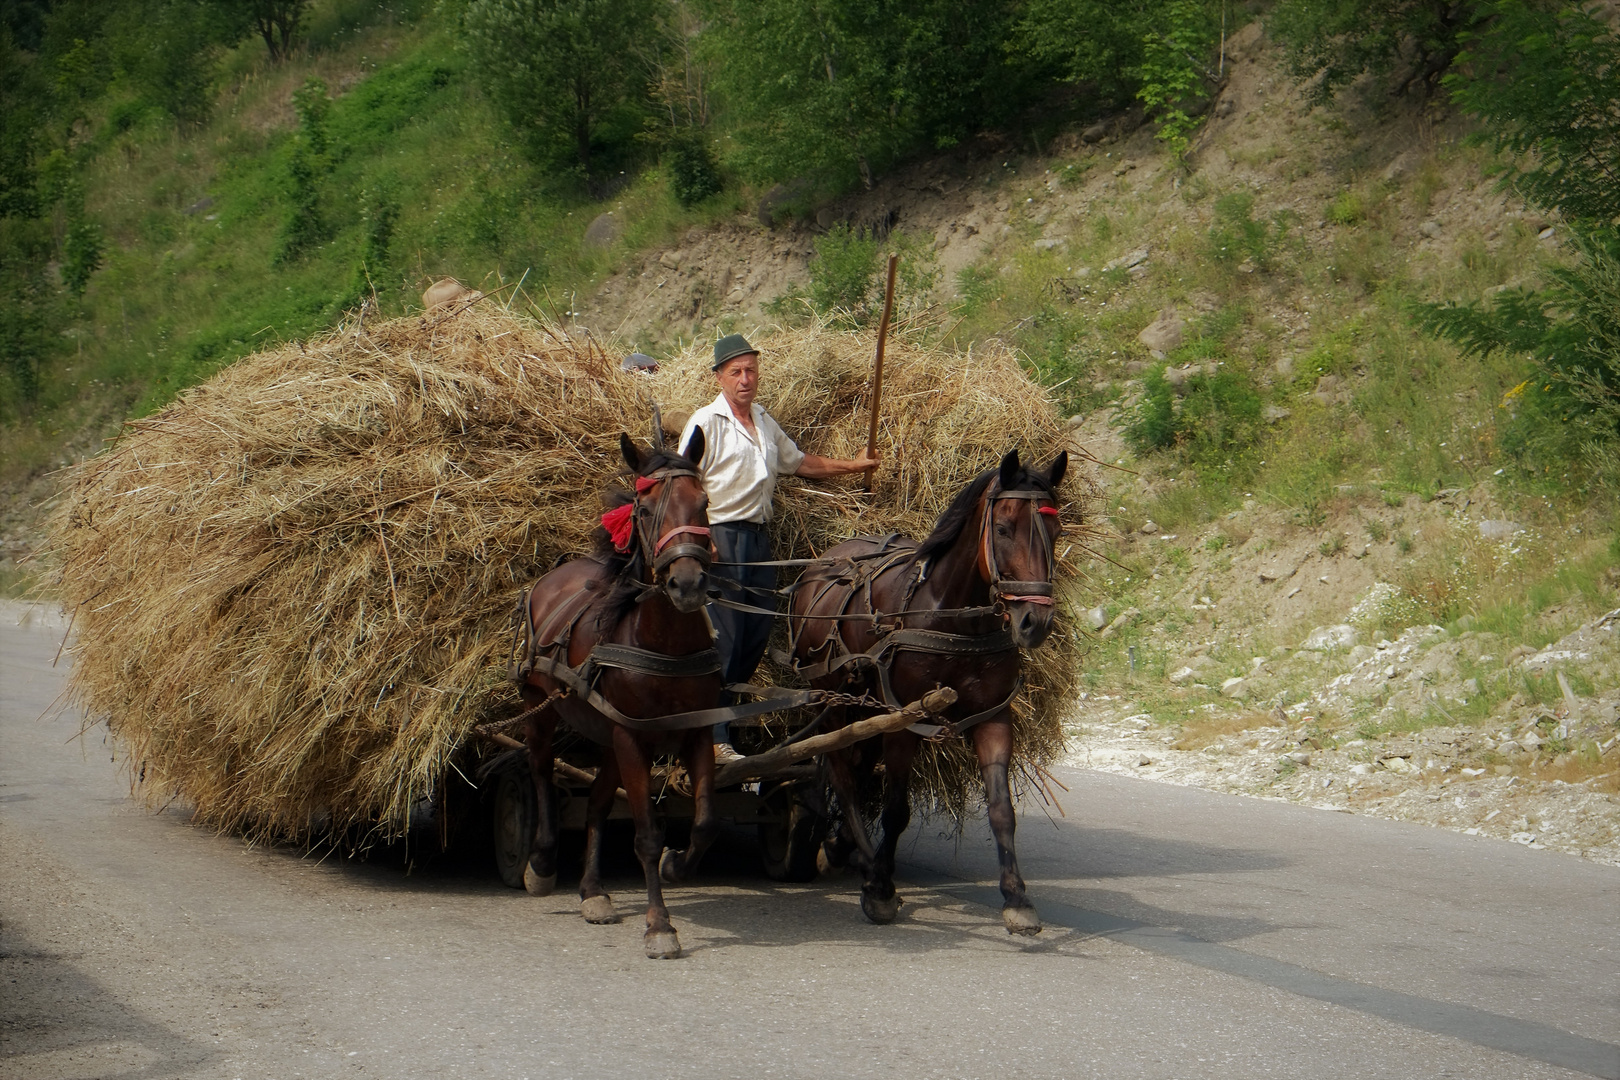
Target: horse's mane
[[951, 523], [625, 566]]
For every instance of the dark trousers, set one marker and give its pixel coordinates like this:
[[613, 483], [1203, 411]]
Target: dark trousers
[[741, 636]]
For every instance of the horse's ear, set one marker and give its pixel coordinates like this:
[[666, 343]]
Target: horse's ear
[[632, 456], [1009, 470], [694, 446], [1055, 471]]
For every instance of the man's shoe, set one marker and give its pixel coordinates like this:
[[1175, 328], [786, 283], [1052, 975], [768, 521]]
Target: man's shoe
[[725, 753]]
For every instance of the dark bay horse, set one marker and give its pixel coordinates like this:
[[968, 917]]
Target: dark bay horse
[[618, 647], [953, 611]]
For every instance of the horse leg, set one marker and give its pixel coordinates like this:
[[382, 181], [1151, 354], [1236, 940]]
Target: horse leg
[[635, 765], [595, 905], [898, 752], [992, 741], [875, 906], [540, 872], [697, 751], [840, 845]]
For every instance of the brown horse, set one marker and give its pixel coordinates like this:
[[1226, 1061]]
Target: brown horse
[[952, 611], [620, 650]]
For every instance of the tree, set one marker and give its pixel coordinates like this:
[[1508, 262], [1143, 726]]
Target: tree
[[1409, 43], [562, 70], [1152, 50], [168, 48], [839, 89], [277, 21], [1090, 42], [1546, 85]]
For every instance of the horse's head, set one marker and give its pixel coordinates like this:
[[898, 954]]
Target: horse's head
[[671, 517], [1020, 525]]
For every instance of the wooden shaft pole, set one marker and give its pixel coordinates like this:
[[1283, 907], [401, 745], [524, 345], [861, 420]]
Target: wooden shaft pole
[[877, 367], [782, 756]]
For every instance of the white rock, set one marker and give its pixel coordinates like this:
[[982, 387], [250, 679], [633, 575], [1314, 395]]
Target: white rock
[[1181, 675], [1164, 333], [1097, 617], [1234, 687], [1341, 636], [1149, 527], [1127, 261], [1500, 530]]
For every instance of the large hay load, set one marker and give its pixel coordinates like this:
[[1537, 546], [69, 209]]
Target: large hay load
[[292, 586]]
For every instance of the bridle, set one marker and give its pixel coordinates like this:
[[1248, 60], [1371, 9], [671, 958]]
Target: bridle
[[661, 553], [1006, 590]]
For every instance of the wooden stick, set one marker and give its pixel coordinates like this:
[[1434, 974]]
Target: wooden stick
[[877, 369], [782, 756]]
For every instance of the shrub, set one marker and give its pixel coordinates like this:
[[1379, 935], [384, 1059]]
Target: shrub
[[82, 253], [1347, 208], [693, 175], [1152, 425], [842, 271], [1237, 236]]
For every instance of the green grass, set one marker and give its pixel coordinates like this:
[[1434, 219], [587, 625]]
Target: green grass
[[187, 288]]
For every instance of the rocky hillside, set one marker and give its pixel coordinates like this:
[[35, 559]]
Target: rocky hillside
[[1334, 576], [1360, 606]]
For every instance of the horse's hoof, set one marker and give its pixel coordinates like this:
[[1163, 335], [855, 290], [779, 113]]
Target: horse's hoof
[[661, 944], [598, 909], [1023, 921], [534, 884], [666, 866], [824, 864], [881, 912]]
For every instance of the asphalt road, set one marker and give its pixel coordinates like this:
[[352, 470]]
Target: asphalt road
[[1190, 934]]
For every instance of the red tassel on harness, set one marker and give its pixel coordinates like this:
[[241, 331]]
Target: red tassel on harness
[[1049, 511], [620, 521], [620, 525]]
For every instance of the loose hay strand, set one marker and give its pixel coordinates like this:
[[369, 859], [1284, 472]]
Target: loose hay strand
[[303, 569]]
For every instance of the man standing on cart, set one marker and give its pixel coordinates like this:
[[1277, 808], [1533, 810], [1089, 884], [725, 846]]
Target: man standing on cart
[[745, 450]]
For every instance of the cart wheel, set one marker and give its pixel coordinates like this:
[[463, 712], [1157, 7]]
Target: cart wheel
[[514, 822], [788, 845]]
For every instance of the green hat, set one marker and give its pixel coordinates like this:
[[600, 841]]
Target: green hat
[[729, 348]]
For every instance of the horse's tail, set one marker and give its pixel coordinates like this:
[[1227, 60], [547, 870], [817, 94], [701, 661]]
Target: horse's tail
[[520, 657]]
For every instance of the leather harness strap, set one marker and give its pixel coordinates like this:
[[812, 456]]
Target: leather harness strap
[[859, 577], [645, 662], [580, 682]]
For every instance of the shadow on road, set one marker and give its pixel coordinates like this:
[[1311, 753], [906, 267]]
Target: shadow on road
[[56, 1020]]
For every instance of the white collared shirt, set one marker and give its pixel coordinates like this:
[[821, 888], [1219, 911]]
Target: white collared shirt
[[739, 471]]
